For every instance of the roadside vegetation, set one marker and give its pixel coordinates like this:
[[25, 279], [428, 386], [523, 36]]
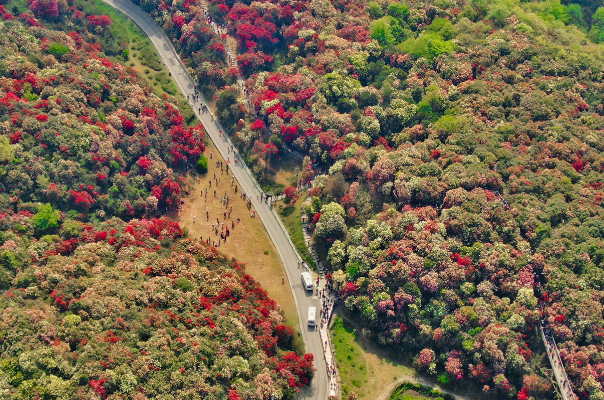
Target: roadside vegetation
[[350, 360], [415, 391], [291, 216]]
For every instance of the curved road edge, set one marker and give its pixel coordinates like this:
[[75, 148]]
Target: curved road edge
[[289, 256]]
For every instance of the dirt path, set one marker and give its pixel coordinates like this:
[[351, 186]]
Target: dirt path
[[248, 241]]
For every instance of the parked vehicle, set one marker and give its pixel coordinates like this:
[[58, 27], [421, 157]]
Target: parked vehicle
[[307, 281], [312, 312]]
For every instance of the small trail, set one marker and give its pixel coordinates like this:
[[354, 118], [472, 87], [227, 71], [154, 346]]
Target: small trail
[[553, 354], [230, 54]]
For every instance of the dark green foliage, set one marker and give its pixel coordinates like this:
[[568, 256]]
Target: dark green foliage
[[367, 99], [399, 392], [575, 16], [229, 110], [151, 60], [427, 44], [5, 279], [443, 27], [498, 14], [398, 11], [185, 285], [382, 32], [596, 32]]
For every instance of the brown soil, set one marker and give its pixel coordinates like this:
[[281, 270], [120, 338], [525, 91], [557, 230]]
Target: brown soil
[[248, 242]]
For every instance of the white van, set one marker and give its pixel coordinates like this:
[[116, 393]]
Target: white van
[[312, 312], [307, 281]]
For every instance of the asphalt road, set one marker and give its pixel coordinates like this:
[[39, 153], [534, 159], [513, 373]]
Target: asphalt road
[[318, 388]]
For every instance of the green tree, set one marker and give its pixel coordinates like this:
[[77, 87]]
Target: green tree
[[46, 219], [337, 254], [575, 15], [428, 44], [5, 279], [597, 26], [331, 225], [229, 110], [328, 211], [380, 31], [335, 86], [398, 11], [499, 13], [57, 49], [443, 27], [71, 229], [375, 10], [7, 150]]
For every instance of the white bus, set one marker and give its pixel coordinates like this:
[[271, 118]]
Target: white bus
[[307, 281], [312, 312]]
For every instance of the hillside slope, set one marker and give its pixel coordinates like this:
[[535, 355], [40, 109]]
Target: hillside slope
[[99, 299]]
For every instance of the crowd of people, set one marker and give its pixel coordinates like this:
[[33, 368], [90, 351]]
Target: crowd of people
[[327, 305], [225, 221], [221, 228]]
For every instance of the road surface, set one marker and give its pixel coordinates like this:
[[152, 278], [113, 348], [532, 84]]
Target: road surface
[[319, 386]]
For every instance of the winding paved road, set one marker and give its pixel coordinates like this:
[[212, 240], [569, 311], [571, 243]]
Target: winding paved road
[[319, 387]]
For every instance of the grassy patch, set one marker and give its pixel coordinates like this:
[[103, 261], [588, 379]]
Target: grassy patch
[[416, 391], [287, 170], [383, 365], [271, 187], [350, 358], [290, 216], [412, 395], [166, 82]]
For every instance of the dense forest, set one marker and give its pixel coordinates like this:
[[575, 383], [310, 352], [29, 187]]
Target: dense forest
[[98, 297], [461, 200], [145, 314], [81, 132], [463, 144]]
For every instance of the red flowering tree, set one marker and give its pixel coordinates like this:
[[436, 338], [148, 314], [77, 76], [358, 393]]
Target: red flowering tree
[[254, 62], [144, 163], [50, 9], [82, 200], [291, 194]]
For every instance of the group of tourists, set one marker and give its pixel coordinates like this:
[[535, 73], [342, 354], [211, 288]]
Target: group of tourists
[[222, 229]]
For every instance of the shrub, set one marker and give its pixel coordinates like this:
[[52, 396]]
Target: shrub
[[57, 49], [46, 219], [202, 164], [428, 44], [185, 285]]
